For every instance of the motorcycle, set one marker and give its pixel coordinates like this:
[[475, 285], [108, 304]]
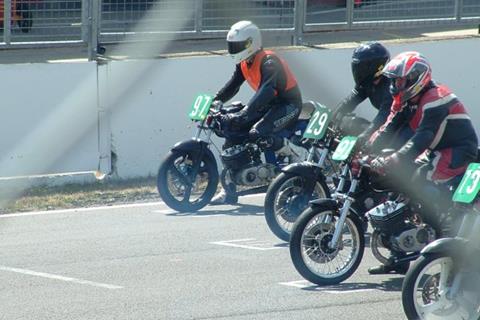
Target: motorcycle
[[188, 176], [444, 283], [327, 241], [290, 192]]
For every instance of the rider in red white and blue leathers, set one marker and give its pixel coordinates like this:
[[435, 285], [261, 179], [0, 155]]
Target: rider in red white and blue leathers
[[444, 142]]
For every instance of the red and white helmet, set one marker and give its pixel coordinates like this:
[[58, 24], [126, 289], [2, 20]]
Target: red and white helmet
[[409, 72]]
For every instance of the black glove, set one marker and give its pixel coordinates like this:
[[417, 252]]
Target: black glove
[[217, 105], [225, 120]]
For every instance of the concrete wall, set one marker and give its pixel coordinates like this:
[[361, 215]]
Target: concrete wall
[[151, 117], [48, 118], [143, 104]]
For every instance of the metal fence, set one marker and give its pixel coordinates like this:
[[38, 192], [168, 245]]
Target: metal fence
[[36, 22]]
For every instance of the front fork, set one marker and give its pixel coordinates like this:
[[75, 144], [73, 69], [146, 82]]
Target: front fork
[[347, 203], [343, 215], [323, 157], [198, 158]]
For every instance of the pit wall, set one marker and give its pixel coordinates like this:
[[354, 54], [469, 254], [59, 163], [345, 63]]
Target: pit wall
[[125, 115]]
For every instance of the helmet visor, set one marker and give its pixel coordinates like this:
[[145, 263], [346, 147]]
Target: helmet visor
[[359, 72], [405, 83], [399, 84], [235, 47]]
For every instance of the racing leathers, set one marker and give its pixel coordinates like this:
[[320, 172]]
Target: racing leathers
[[379, 95], [443, 145], [277, 101]]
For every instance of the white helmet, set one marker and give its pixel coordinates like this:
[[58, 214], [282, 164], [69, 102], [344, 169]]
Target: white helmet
[[244, 39]]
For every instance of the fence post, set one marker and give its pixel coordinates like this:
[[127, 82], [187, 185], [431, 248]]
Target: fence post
[[350, 6], [94, 18], [198, 16], [458, 10], [7, 21], [299, 22], [104, 128], [86, 20]]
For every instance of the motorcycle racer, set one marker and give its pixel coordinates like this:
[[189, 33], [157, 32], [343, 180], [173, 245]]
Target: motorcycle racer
[[277, 101], [368, 61], [444, 142]]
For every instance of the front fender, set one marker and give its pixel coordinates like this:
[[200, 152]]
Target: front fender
[[452, 246], [327, 203], [305, 169], [199, 147], [190, 145]]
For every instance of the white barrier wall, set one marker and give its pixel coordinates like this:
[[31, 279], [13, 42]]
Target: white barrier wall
[[149, 119], [143, 104], [48, 118]]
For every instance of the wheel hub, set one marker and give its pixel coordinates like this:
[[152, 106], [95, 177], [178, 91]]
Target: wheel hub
[[294, 206], [324, 244], [430, 292], [321, 251]]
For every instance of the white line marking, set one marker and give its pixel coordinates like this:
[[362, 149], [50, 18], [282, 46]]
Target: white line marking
[[89, 209], [165, 211], [202, 216], [79, 210], [302, 284], [348, 291], [250, 244], [61, 278]]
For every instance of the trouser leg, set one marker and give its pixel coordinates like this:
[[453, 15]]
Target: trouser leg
[[278, 118]]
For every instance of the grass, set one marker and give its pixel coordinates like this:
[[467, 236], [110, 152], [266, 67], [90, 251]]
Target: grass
[[82, 195]]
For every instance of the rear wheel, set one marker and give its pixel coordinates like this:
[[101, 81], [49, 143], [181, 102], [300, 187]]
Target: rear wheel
[[287, 197], [311, 253], [186, 185]]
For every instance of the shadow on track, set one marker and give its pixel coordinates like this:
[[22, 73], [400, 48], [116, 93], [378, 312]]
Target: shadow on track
[[391, 284], [237, 210]]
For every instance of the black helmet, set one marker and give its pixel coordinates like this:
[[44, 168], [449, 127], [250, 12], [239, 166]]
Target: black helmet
[[368, 61]]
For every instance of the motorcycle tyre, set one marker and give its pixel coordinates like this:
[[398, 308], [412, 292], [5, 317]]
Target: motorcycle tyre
[[188, 206], [270, 197], [296, 253]]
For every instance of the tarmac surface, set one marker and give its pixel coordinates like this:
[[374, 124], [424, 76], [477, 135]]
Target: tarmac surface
[[146, 261]]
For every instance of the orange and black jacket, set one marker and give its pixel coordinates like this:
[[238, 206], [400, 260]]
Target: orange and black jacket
[[270, 78]]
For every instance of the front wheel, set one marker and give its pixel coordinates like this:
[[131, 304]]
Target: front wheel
[[287, 197], [427, 285], [311, 253], [186, 183]]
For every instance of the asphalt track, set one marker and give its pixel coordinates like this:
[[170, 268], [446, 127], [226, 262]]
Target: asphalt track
[[144, 261]]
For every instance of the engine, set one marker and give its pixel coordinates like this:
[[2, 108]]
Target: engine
[[245, 166], [414, 239], [255, 175], [403, 231]]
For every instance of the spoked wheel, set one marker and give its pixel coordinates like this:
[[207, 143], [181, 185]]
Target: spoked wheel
[[310, 248], [426, 288], [287, 197], [185, 184]]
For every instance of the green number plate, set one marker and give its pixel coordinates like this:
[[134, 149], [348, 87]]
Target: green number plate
[[344, 148], [200, 107], [470, 185], [318, 123]]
